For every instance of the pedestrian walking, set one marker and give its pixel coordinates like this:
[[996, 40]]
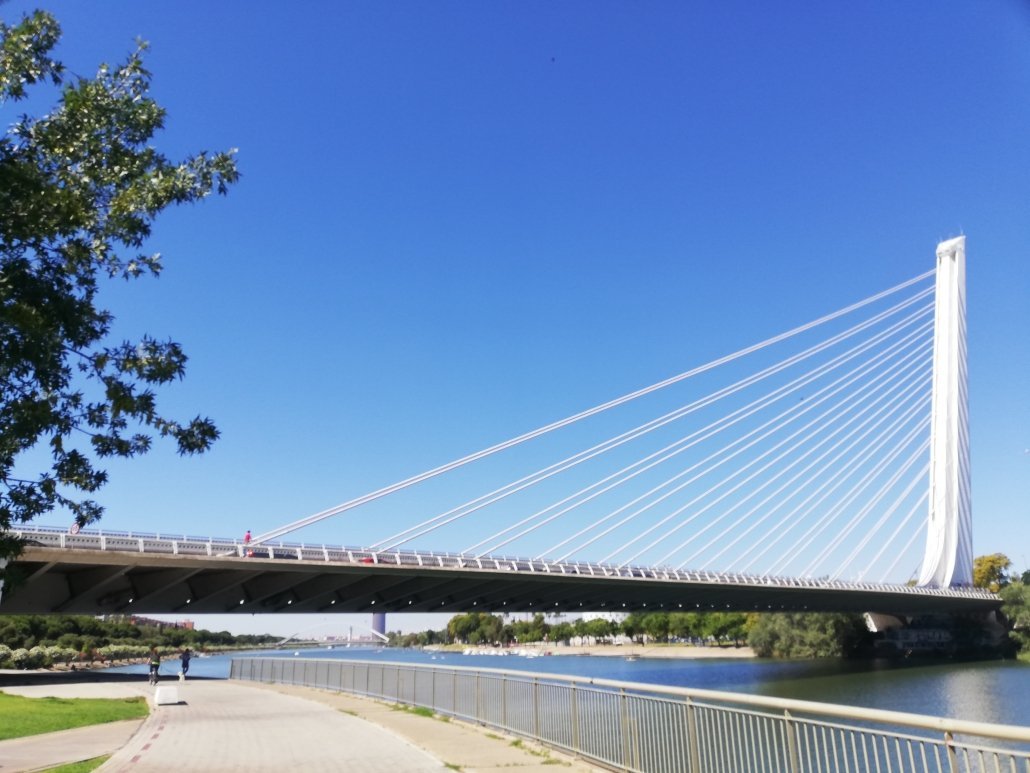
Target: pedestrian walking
[[155, 665], [246, 545], [185, 660]]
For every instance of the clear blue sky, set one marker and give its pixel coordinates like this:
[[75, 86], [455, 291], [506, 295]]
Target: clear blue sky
[[460, 221]]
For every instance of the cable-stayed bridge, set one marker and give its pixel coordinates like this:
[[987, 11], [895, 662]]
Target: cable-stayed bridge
[[824, 468]]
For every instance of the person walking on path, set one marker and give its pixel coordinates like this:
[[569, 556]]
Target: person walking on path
[[155, 664], [246, 545], [185, 659]]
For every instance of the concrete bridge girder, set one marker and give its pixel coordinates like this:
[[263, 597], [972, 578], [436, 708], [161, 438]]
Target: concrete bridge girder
[[104, 581], [147, 585], [90, 581]]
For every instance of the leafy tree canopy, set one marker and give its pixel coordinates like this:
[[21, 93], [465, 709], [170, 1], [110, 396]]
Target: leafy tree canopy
[[806, 634], [80, 188], [990, 571], [1016, 608]]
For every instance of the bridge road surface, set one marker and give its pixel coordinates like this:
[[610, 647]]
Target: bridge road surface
[[224, 726]]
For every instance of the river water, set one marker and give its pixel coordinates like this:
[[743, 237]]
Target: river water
[[993, 691]]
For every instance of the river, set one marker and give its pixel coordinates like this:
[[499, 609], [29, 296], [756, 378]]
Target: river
[[992, 691]]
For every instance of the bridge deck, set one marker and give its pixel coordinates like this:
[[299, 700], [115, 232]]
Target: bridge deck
[[96, 573]]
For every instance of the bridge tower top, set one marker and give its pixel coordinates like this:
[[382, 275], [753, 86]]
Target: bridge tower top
[[948, 560]]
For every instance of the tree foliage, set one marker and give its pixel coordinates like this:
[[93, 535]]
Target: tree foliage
[[80, 188], [990, 571], [1016, 607], [806, 634], [48, 639]]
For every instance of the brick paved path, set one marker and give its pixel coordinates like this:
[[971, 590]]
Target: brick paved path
[[225, 726]]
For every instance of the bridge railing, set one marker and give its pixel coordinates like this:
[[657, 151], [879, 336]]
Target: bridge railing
[[213, 546], [657, 729]]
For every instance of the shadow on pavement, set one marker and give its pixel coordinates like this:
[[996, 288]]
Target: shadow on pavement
[[24, 678]]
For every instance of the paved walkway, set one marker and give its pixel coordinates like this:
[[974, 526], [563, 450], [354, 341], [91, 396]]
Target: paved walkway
[[221, 726]]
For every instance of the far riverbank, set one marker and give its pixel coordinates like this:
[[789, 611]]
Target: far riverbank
[[650, 651]]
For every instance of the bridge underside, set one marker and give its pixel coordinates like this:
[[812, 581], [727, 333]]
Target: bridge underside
[[55, 581]]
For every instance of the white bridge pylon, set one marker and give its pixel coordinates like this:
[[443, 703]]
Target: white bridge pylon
[[949, 537]]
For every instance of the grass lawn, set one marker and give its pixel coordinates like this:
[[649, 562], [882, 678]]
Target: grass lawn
[[79, 767], [29, 716]]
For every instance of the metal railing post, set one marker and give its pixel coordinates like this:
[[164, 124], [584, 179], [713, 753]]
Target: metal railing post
[[952, 757], [693, 742], [536, 707], [624, 727], [478, 698], [793, 759], [574, 707], [504, 702]]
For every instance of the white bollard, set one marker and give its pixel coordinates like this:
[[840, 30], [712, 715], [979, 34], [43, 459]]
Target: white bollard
[[164, 696]]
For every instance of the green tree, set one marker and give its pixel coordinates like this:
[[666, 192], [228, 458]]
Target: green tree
[[806, 634], [656, 625], [600, 628], [562, 632], [723, 626], [632, 626], [989, 571], [1016, 608], [80, 188]]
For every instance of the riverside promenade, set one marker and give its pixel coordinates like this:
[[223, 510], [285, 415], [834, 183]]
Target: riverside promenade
[[228, 726]]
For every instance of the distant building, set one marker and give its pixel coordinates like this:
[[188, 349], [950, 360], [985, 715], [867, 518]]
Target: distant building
[[379, 623], [186, 625]]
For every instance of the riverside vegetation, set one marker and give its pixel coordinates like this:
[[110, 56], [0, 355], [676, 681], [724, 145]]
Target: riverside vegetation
[[44, 641], [800, 635]]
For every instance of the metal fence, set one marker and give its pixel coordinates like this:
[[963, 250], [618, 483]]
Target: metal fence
[[657, 729]]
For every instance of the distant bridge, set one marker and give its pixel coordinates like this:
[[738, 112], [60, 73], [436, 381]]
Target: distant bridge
[[111, 572]]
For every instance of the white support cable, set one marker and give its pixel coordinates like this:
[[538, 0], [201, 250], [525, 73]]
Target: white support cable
[[889, 542], [891, 406], [735, 525], [682, 445], [503, 492], [667, 557], [407, 482], [474, 505], [865, 509], [886, 516], [852, 494], [748, 410], [816, 529], [851, 467], [776, 533], [809, 405], [836, 412], [672, 450], [918, 532]]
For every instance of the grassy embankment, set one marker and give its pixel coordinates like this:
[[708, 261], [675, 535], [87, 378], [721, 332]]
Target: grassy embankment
[[79, 767], [21, 716]]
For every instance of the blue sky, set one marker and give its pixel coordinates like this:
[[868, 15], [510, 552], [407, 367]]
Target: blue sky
[[461, 221]]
